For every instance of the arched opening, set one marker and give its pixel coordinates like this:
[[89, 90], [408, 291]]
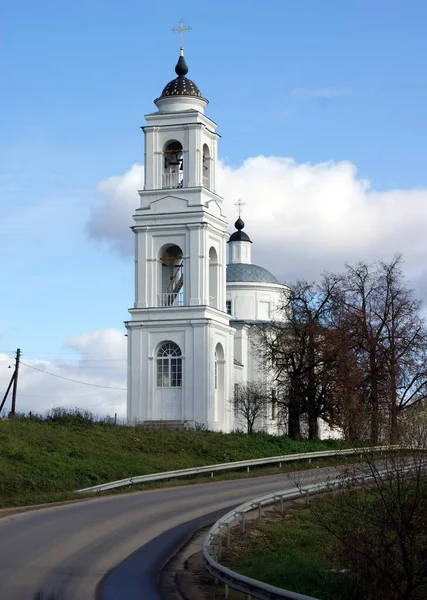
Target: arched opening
[[219, 377], [213, 277], [169, 365], [173, 168], [206, 167], [171, 291], [168, 377]]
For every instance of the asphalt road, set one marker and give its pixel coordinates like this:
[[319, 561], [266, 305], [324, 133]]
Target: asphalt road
[[63, 552]]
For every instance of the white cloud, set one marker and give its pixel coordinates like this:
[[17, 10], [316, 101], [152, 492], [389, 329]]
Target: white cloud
[[114, 213], [322, 93], [303, 218], [98, 358]]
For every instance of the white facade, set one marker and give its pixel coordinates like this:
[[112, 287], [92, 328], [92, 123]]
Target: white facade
[[189, 333]]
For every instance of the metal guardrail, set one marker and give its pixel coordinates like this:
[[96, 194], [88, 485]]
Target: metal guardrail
[[212, 545], [255, 462]]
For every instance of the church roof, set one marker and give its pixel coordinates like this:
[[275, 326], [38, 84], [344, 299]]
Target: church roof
[[181, 86], [249, 273]]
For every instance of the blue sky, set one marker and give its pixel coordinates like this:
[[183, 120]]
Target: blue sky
[[315, 81]]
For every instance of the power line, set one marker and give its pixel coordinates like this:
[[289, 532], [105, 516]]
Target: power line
[[69, 352], [108, 387]]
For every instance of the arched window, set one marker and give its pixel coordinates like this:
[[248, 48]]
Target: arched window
[[169, 365], [213, 278], [219, 373], [173, 169], [171, 276], [206, 167]]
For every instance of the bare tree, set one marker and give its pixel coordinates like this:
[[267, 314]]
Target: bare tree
[[251, 402], [382, 318], [306, 355], [351, 350]]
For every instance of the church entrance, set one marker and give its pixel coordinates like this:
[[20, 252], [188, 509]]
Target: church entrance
[[168, 395], [168, 405]]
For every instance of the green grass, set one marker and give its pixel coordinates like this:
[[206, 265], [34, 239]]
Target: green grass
[[45, 460], [289, 553]]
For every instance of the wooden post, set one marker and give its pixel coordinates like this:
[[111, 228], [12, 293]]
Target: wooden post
[[15, 382], [7, 391]]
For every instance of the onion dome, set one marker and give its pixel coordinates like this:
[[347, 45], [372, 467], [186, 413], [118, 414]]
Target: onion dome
[[181, 86], [239, 235]]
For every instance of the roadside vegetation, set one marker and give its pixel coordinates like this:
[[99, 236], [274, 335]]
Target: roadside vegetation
[[365, 539], [44, 459], [290, 552]]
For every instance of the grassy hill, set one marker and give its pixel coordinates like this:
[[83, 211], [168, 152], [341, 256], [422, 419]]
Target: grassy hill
[[44, 460]]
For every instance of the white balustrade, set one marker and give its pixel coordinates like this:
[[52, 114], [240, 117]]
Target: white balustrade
[[172, 180], [170, 299]]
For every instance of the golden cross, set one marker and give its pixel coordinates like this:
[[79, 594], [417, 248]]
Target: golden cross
[[239, 205], [181, 30]]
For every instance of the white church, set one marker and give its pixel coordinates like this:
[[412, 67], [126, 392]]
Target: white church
[[190, 340]]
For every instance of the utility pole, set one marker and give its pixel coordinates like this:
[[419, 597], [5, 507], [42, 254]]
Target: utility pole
[[15, 381], [7, 391]]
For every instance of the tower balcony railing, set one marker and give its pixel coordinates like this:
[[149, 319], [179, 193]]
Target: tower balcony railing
[[172, 180], [170, 299], [212, 302]]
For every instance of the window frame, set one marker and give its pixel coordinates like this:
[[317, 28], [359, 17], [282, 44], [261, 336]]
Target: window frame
[[169, 366]]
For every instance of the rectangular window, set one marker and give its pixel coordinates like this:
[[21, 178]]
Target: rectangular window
[[176, 372], [228, 306], [273, 405], [162, 372], [236, 399]]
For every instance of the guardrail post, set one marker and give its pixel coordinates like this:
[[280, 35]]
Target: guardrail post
[[247, 469], [259, 511], [228, 534], [309, 461], [281, 504], [212, 475], [307, 498], [219, 546], [226, 591], [280, 465], [243, 521]]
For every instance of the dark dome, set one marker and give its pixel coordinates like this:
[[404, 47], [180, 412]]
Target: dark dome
[[239, 235], [249, 273], [181, 86]]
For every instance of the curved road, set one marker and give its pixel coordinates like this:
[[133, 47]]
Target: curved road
[[63, 552]]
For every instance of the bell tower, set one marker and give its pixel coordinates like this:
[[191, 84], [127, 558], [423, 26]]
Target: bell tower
[[180, 356]]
